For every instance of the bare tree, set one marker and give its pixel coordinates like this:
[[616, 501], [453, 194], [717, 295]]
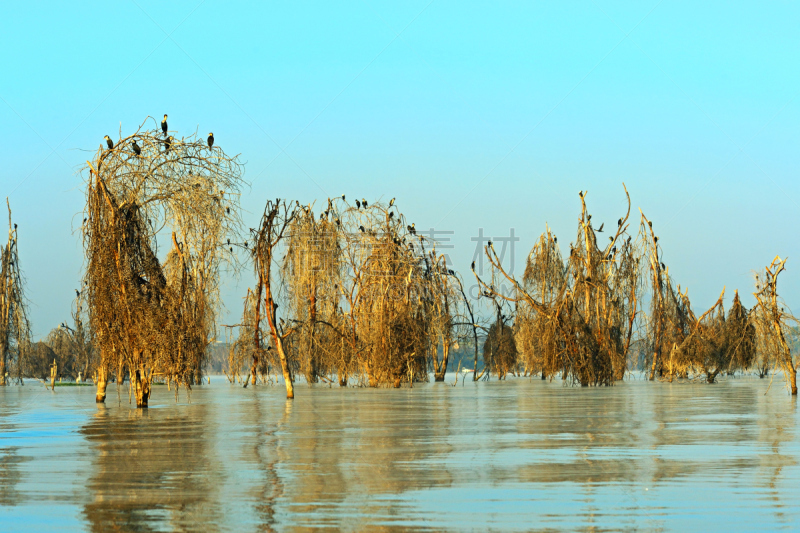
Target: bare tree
[[150, 318], [15, 329], [772, 320], [589, 319]]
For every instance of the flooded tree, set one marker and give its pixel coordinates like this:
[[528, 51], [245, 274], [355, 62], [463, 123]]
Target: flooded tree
[[72, 345], [267, 238], [499, 348], [15, 329], [716, 343], [152, 317], [586, 310], [772, 322]]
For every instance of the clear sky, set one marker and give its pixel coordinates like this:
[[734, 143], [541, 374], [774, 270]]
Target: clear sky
[[474, 115]]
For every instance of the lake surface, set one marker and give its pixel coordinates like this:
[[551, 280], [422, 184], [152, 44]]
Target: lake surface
[[516, 455]]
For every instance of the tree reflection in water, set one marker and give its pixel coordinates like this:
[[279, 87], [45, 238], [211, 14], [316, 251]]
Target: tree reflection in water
[[150, 467]]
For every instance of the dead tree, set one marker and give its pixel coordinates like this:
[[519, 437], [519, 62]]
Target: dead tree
[[15, 329], [772, 321], [267, 238], [151, 318], [591, 319]]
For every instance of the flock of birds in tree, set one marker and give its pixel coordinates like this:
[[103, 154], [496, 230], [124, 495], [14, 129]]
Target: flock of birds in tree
[[167, 140]]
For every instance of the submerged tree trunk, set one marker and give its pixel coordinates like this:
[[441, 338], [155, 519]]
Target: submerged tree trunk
[[142, 389], [102, 383]]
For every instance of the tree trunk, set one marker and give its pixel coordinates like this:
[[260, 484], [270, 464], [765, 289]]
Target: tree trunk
[[439, 376], [142, 389], [102, 383], [287, 376]]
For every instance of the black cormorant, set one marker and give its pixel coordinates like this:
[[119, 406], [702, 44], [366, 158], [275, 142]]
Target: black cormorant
[[358, 204], [167, 143], [136, 148], [77, 293], [391, 214], [229, 242], [364, 203], [619, 223], [473, 265], [228, 210], [109, 142], [555, 240], [164, 125], [649, 223], [391, 202], [343, 197], [210, 141], [361, 228], [600, 230]]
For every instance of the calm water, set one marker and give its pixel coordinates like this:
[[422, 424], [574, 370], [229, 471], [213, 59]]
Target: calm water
[[521, 455]]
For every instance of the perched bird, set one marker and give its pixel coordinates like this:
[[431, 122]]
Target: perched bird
[[136, 149], [411, 229], [228, 210], [338, 222], [245, 244], [614, 250], [358, 204], [364, 203], [343, 197], [450, 271], [391, 214], [600, 230], [210, 141], [109, 142], [361, 228], [619, 223], [663, 267], [555, 240], [491, 244], [229, 242], [167, 143], [391, 202], [473, 265], [649, 223], [655, 239], [164, 125], [231, 249], [580, 193], [77, 293]]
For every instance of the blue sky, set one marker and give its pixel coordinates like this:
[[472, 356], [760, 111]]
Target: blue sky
[[473, 115]]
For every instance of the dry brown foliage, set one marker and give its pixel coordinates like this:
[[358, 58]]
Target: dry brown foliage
[[152, 318], [576, 319], [15, 329], [772, 322]]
